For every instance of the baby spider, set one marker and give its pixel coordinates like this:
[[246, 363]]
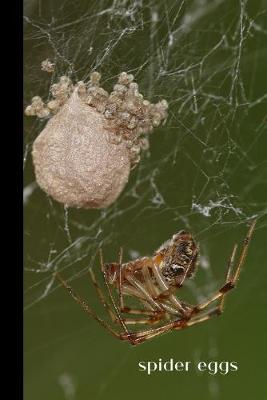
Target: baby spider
[[154, 281]]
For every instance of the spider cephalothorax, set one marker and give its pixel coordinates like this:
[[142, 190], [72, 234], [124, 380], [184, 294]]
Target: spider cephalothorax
[[179, 258], [153, 282]]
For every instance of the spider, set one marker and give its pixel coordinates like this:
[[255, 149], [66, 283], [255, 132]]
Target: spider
[[154, 281]]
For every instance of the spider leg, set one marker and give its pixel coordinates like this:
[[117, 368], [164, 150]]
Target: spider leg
[[142, 336], [154, 314], [101, 296], [244, 250], [160, 297], [139, 311], [205, 316], [230, 281], [151, 287], [155, 319], [152, 307], [166, 294], [148, 292], [134, 292], [144, 292], [148, 310], [216, 311], [219, 308], [120, 281], [83, 304], [228, 274], [161, 306], [120, 319], [164, 287]]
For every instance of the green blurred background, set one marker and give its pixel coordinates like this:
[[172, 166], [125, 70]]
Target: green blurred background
[[205, 172]]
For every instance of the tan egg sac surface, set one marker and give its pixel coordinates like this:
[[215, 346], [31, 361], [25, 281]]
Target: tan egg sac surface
[[93, 139], [76, 161]]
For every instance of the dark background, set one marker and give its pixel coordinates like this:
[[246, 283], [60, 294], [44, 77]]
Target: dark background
[[205, 172]]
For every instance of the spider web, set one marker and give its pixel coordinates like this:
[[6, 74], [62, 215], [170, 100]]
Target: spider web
[[206, 168]]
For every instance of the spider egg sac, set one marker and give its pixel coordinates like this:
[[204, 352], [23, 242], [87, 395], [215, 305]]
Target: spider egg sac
[[84, 155]]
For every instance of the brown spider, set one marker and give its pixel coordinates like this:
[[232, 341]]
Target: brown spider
[[153, 281]]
